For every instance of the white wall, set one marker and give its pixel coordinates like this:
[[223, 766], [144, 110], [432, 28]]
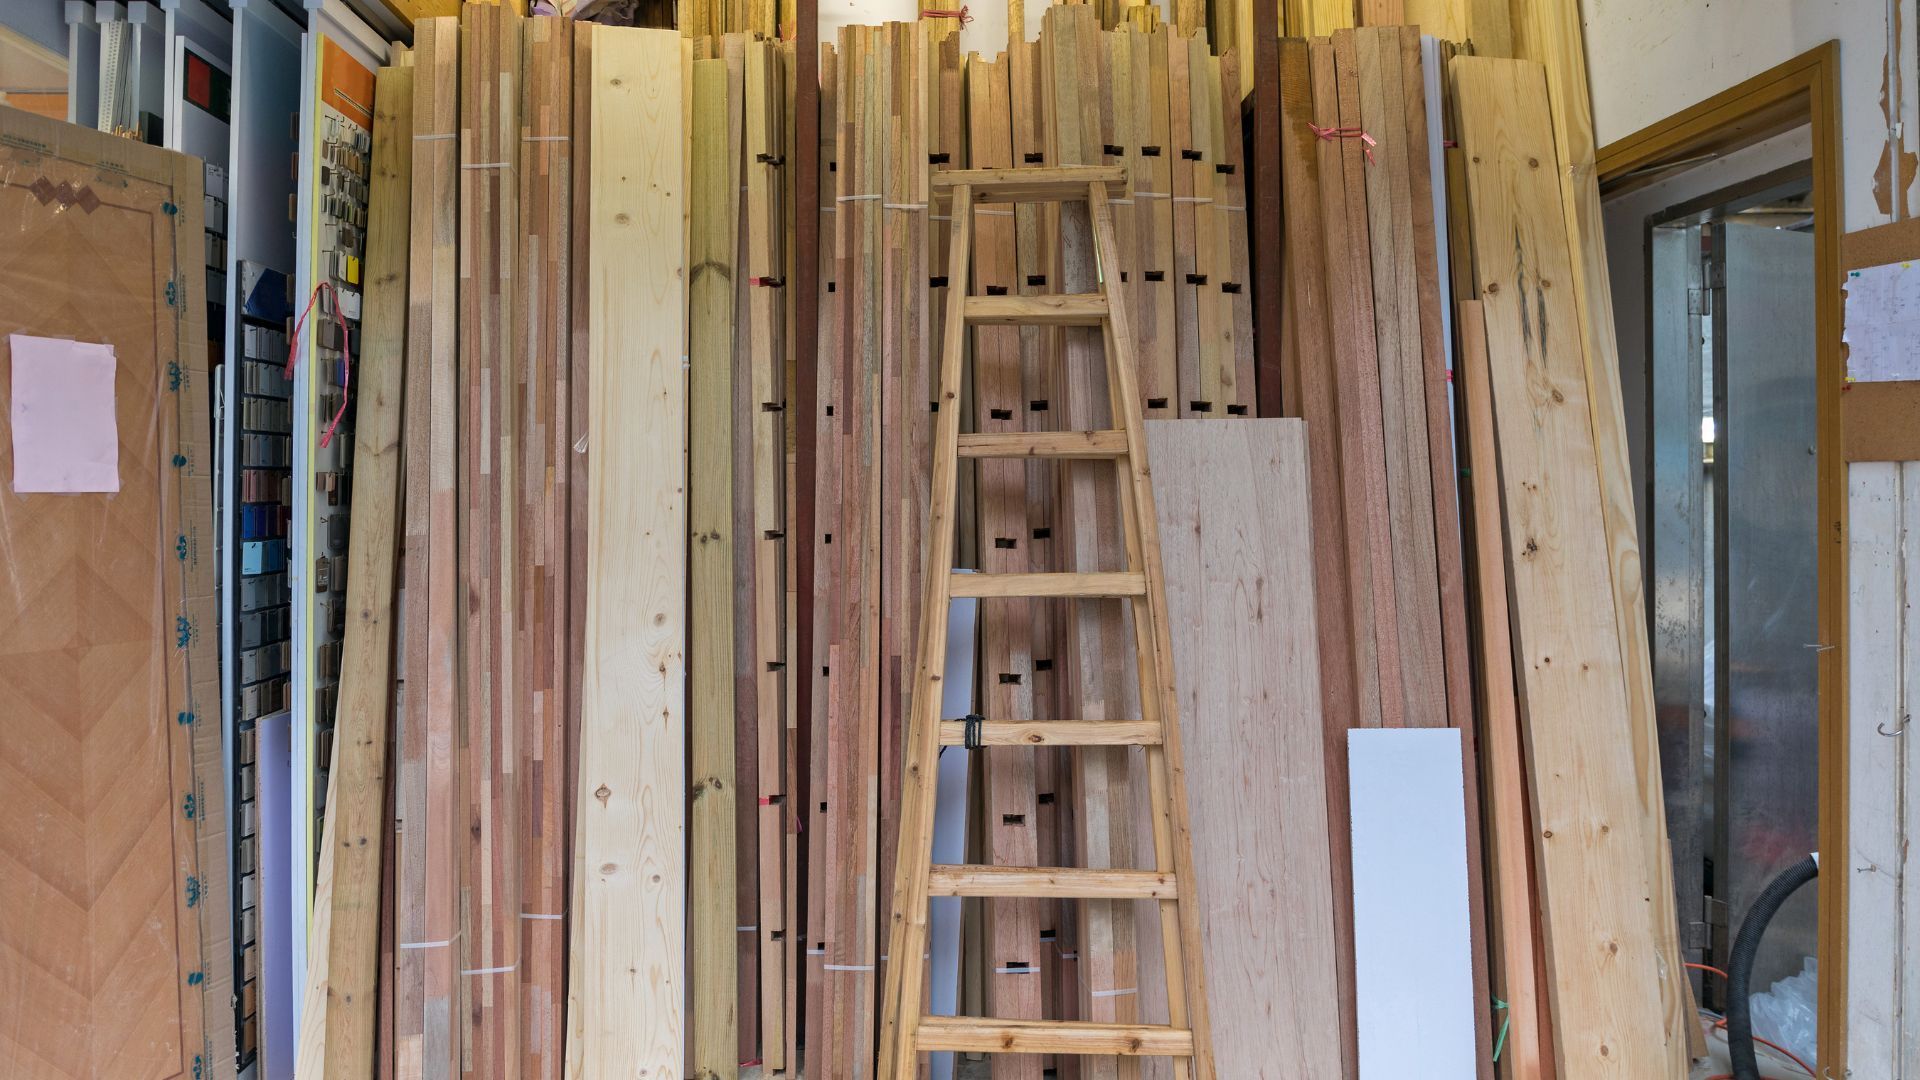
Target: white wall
[[1648, 59]]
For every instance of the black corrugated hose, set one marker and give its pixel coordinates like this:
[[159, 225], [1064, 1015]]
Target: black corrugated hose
[[1740, 969]]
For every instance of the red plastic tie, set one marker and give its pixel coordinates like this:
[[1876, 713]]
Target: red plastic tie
[[1332, 133], [935, 13], [346, 353]]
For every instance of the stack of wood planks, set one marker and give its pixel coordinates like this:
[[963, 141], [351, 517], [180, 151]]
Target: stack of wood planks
[[573, 463], [1585, 931], [896, 99], [1366, 364]]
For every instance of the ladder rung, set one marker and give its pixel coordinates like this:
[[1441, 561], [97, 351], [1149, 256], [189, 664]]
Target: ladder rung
[[1056, 882], [976, 1035], [1054, 733], [1057, 184], [1119, 583], [1045, 444], [1046, 309]]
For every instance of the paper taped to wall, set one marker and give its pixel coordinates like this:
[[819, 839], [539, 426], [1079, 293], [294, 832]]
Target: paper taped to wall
[[1883, 323], [65, 437]]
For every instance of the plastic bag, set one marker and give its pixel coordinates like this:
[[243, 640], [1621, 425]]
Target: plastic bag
[[1787, 1013]]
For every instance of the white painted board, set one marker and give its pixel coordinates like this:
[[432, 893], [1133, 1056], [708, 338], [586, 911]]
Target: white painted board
[[1413, 951]]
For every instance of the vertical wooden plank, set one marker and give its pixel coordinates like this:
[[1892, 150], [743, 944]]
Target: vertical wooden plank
[[1199, 154], [426, 1046], [824, 514], [1357, 392], [628, 951], [1589, 837], [714, 199], [1152, 179], [765, 397], [1434, 381], [1309, 308], [1501, 754], [1011, 776], [339, 1028], [489, 150], [1552, 33], [544, 299], [1006, 640], [1416, 602], [1186, 294], [1230, 204]]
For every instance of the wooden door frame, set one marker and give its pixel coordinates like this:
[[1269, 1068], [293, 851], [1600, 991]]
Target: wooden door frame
[[1804, 90]]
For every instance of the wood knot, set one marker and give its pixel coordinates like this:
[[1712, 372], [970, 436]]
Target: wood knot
[[602, 793]]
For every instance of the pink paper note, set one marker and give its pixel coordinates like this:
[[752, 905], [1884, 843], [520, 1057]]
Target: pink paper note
[[65, 434]]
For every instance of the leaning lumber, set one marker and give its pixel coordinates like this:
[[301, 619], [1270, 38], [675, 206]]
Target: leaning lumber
[[1552, 34], [1591, 832], [338, 1023], [1502, 779], [426, 1044], [541, 633], [628, 952], [713, 243]]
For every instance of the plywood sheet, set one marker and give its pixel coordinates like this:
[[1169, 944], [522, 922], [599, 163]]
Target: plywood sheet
[[113, 952], [1232, 505]]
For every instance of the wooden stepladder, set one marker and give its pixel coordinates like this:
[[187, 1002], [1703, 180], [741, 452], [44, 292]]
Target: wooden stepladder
[[905, 1031]]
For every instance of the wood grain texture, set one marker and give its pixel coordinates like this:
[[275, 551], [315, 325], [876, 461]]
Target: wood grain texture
[[1309, 315], [1248, 680], [1591, 838], [1552, 33], [489, 439], [628, 950], [542, 631], [427, 921], [1396, 272], [338, 1023], [713, 288], [115, 951], [1503, 783]]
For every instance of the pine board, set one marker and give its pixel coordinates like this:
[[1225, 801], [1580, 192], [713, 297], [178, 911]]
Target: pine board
[[114, 843], [1590, 826], [628, 952], [713, 238], [338, 1024], [1246, 671]]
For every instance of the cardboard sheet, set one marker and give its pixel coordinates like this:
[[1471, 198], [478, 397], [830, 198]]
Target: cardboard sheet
[[65, 437]]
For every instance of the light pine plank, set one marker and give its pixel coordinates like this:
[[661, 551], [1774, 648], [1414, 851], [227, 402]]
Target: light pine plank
[[629, 951], [1590, 838], [715, 201], [1551, 33], [337, 1025], [1233, 508]]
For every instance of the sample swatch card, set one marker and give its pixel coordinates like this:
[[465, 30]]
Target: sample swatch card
[[65, 435]]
